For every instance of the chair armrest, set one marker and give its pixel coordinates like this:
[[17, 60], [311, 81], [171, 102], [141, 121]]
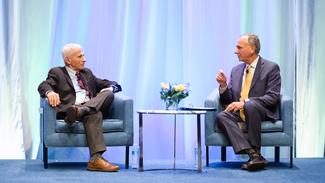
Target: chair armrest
[[211, 101], [123, 109], [47, 119], [287, 115]]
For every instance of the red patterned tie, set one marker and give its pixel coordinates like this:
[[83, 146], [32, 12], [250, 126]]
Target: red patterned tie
[[81, 83]]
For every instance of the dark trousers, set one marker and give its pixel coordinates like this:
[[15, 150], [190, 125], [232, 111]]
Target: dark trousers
[[93, 122], [254, 114]]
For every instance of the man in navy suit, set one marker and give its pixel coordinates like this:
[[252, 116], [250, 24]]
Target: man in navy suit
[[251, 96], [77, 94]]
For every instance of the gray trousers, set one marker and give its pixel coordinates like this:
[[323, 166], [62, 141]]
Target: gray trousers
[[240, 141]]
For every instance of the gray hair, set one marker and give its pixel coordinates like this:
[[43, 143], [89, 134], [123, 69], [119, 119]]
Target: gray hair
[[68, 49], [253, 40]]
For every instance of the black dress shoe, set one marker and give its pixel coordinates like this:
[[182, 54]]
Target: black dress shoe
[[265, 161], [244, 166], [82, 111], [257, 163], [71, 115]]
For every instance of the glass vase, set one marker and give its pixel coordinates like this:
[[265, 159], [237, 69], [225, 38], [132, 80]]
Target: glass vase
[[168, 104], [176, 105], [172, 105]]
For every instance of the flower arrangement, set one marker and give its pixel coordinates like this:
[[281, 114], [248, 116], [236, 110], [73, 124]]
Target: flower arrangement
[[173, 94]]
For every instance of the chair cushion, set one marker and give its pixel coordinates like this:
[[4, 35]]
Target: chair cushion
[[109, 125], [267, 126]]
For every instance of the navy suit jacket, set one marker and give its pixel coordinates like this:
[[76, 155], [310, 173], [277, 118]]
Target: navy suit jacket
[[59, 81], [265, 87]]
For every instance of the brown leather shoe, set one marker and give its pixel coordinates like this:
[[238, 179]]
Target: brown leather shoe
[[257, 163], [102, 165]]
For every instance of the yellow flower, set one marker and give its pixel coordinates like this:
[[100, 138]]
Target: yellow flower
[[180, 88], [164, 85]]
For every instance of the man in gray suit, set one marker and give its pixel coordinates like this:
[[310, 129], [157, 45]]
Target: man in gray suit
[[77, 94], [251, 96]]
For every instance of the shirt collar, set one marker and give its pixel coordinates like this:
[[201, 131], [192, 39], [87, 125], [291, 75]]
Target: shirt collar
[[71, 71], [254, 63]]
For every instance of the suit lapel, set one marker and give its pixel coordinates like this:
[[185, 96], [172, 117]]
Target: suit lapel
[[238, 85], [258, 70], [84, 78], [67, 77]]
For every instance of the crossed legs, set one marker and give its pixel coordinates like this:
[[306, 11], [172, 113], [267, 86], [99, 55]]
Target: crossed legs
[[91, 114], [251, 143]]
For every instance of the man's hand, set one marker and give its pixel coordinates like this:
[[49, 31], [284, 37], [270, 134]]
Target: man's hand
[[54, 98], [234, 106], [221, 78]]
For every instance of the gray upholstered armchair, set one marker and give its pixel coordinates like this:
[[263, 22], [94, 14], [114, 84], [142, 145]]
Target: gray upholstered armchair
[[118, 128], [279, 133]]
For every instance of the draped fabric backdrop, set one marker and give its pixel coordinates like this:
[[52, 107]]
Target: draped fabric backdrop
[[140, 43], [310, 65]]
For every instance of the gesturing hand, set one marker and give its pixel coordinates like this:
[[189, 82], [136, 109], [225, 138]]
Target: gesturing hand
[[221, 78], [234, 106], [54, 98]]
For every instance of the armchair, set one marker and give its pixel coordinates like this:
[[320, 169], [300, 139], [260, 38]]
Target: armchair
[[279, 133], [117, 129]]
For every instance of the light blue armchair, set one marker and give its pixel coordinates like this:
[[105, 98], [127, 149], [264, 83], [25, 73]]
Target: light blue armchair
[[117, 129], [279, 133]]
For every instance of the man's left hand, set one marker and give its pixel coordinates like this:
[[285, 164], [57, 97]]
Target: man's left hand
[[234, 106]]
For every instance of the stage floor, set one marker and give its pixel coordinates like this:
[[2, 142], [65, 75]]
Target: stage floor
[[304, 170]]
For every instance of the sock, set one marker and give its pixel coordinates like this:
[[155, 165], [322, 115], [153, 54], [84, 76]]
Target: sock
[[252, 153], [258, 150], [95, 156]]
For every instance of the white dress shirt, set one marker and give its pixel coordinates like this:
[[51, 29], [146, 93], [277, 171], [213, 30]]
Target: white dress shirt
[[81, 94], [253, 65]]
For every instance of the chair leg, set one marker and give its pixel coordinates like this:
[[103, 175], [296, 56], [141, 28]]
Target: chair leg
[[45, 158], [223, 153], [277, 154], [207, 155], [291, 154], [127, 151]]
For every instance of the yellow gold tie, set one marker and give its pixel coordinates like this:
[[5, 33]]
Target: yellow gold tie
[[245, 89]]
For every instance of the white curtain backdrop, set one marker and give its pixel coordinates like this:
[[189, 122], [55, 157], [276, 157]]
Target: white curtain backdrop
[[140, 43], [310, 102], [11, 138]]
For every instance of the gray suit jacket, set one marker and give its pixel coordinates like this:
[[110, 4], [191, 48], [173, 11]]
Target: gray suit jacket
[[265, 87], [59, 81]]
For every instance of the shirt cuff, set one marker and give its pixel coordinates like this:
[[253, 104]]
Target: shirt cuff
[[222, 89], [105, 89], [47, 92]]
